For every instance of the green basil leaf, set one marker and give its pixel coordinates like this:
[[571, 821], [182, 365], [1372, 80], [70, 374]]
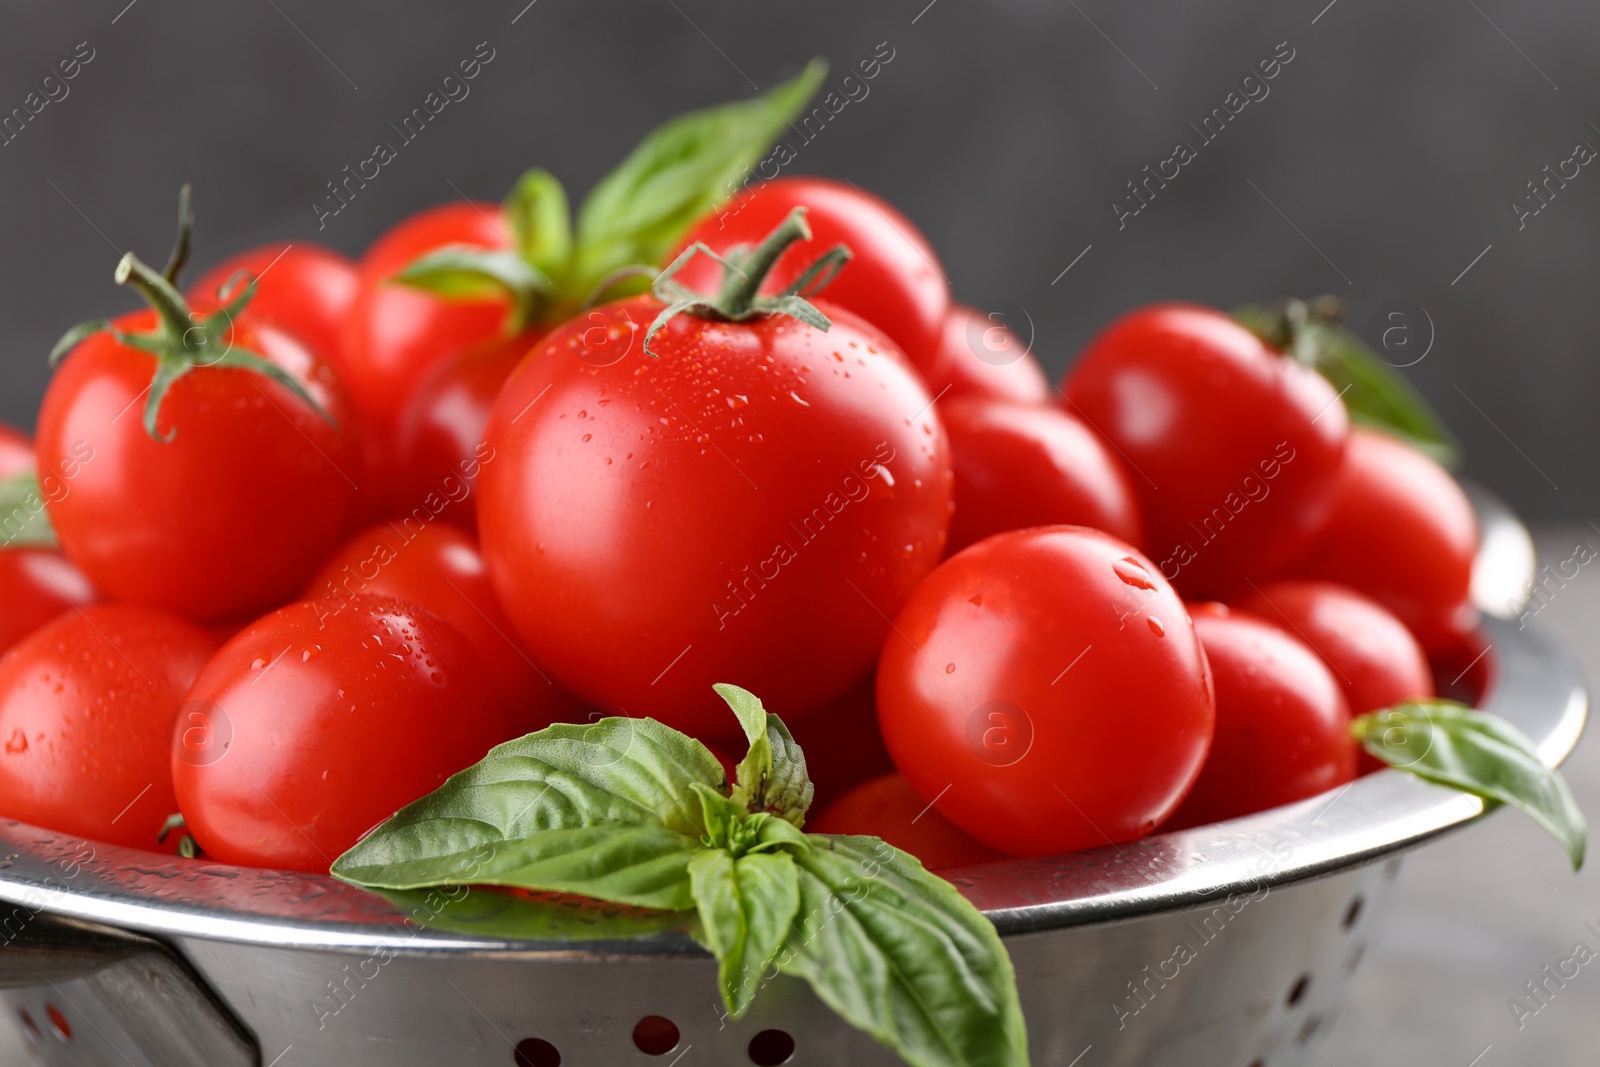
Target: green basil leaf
[[900, 954], [24, 522], [469, 272], [684, 168], [745, 907], [1478, 753], [772, 776], [604, 810], [485, 912], [541, 222]]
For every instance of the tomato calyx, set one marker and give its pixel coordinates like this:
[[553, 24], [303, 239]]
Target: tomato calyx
[[184, 339], [188, 847], [745, 268]]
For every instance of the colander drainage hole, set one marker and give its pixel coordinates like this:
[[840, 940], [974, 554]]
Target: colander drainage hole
[[1353, 912], [770, 1048], [655, 1035], [29, 1025], [536, 1052], [1297, 991], [58, 1022], [1258, 1063]]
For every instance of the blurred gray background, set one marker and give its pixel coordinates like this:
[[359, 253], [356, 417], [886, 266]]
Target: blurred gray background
[[1381, 164]]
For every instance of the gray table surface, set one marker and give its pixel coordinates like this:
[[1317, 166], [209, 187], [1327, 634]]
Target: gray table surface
[[1476, 916]]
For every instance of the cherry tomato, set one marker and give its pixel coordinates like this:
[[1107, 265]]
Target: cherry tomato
[[302, 288], [229, 516], [36, 585], [16, 453], [394, 333], [1401, 531], [439, 567], [1233, 447], [1466, 668], [1019, 465], [893, 279], [441, 444], [750, 505], [322, 719], [842, 743], [1283, 728], [889, 808], [86, 709], [979, 355], [1045, 689], [1374, 657]]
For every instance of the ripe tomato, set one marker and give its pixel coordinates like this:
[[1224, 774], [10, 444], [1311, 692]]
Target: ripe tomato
[[1283, 729], [1401, 531], [1233, 447], [889, 808], [1374, 657], [16, 453], [229, 516], [1019, 465], [86, 708], [751, 505], [980, 356], [893, 279], [1046, 690], [36, 585], [439, 567], [322, 719], [394, 333], [842, 743], [302, 288], [440, 441]]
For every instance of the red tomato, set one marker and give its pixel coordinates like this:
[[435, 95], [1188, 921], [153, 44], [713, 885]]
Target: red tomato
[[439, 567], [1019, 465], [1374, 657], [889, 808], [1233, 447], [86, 709], [1046, 690], [979, 356], [1401, 531], [893, 279], [441, 444], [228, 517], [394, 333], [842, 743], [16, 453], [36, 585], [303, 288], [321, 720], [750, 506], [1283, 729], [1466, 668]]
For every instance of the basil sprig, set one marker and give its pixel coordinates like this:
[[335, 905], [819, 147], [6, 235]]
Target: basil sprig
[[630, 220], [1374, 393], [1478, 753], [634, 813]]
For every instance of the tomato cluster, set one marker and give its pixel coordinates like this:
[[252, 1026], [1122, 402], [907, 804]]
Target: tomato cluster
[[324, 538]]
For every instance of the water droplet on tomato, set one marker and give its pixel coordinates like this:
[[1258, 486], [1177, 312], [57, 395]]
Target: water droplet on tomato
[[1156, 627], [1133, 573], [949, 668], [18, 742]]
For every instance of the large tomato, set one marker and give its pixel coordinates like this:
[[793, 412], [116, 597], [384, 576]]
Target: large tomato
[[303, 288], [439, 567], [240, 493], [321, 720], [893, 279], [1400, 530], [981, 355], [36, 585], [1283, 728], [86, 709], [1019, 465], [1045, 690], [1233, 447], [750, 505]]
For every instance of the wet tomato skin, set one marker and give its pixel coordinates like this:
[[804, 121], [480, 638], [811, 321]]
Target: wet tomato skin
[[86, 710], [746, 506], [330, 716], [1283, 728], [1233, 447], [1046, 691], [887, 807]]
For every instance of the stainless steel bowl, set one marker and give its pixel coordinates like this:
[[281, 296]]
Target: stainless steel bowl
[[1227, 945]]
